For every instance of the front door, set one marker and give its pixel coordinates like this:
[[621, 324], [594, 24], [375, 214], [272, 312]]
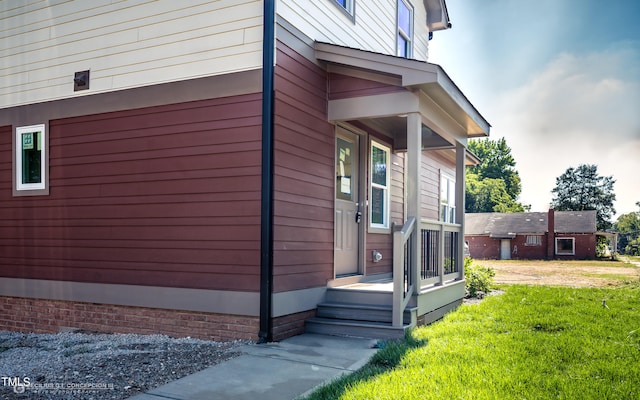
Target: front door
[[347, 205]]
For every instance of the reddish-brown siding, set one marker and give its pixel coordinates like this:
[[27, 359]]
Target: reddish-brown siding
[[432, 165], [383, 243], [164, 196], [342, 86], [304, 175]]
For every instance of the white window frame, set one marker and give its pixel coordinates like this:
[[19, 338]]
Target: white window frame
[[39, 188], [386, 216], [349, 9], [573, 246], [407, 36], [448, 203]]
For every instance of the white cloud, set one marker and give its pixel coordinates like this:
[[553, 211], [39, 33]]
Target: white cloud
[[579, 109]]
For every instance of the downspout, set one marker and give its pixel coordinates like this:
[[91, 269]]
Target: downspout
[[266, 201]]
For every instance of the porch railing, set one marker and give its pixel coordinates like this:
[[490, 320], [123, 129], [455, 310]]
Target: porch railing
[[439, 249], [437, 263], [404, 280]]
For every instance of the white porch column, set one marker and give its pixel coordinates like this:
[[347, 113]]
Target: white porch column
[[414, 162], [461, 156]]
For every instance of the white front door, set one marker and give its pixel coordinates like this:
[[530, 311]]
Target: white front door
[[347, 206], [505, 249]]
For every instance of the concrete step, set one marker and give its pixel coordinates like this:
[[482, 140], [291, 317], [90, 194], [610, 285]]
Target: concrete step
[[348, 328], [362, 312]]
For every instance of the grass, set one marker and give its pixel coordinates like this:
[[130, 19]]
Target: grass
[[622, 278], [562, 263], [532, 342], [631, 258]]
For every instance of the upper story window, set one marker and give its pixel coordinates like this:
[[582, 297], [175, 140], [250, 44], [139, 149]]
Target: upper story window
[[405, 29], [447, 199], [347, 6], [30, 159]]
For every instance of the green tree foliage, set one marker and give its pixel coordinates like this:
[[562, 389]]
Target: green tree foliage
[[488, 195], [579, 189], [628, 228], [494, 185]]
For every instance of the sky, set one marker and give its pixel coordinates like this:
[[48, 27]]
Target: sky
[[558, 79]]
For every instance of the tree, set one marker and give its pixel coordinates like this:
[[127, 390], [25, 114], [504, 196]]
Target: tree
[[579, 189], [493, 185], [488, 195], [628, 228]]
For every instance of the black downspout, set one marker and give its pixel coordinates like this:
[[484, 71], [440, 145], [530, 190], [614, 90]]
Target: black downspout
[[266, 200]]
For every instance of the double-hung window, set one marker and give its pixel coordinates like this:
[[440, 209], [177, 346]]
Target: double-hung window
[[405, 29], [30, 159], [447, 199], [379, 186]]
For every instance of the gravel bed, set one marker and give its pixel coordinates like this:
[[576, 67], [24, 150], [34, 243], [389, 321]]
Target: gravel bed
[[100, 366]]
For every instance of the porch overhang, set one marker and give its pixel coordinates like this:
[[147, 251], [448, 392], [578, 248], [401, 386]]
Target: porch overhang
[[423, 87]]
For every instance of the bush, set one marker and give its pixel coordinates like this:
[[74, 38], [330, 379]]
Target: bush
[[478, 279]]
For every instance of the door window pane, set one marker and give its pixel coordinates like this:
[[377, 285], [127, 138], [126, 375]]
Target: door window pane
[[344, 170]]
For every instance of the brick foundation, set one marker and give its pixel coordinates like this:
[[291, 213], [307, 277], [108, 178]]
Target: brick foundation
[[290, 325], [51, 316]]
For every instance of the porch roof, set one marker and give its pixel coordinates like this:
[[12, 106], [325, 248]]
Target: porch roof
[[428, 87]]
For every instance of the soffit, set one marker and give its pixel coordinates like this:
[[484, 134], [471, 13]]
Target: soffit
[[413, 75]]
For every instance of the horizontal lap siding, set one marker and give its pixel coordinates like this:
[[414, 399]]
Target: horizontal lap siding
[[124, 44], [344, 87], [373, 29], [304, 175], [432, 165], [162, 196], [383, 243]]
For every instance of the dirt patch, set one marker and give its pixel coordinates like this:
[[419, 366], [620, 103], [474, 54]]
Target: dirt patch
[[563, 273]]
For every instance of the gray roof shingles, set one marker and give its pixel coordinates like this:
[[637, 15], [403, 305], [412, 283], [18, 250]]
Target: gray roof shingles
[[505, 225]]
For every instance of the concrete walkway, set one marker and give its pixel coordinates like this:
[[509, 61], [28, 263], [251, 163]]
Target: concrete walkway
[[272, 371]]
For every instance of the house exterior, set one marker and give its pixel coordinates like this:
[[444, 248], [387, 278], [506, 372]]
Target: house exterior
[[565, 235], [229, 169]]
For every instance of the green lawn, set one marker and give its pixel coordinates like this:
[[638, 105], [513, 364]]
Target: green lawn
[[532, 342]]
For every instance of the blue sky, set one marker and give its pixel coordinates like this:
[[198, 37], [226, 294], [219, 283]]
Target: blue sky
[[559, 79]]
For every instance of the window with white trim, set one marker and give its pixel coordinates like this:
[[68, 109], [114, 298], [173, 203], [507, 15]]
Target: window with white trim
[[447, 199], [405, 29], [379, 185], [30, 158], [566, 246]]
